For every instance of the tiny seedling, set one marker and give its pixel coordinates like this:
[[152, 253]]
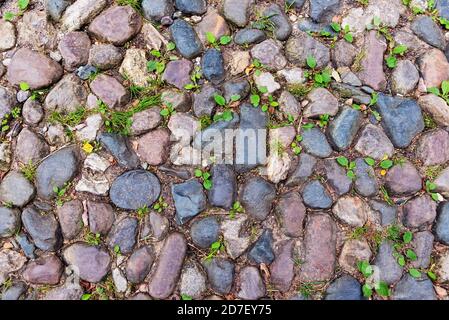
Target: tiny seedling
[[212, 40], [349, 165], [28, 170], [347, 35], [236, 208], [160, 205], [117, 250], [8, 118], [430, 189], [391, 59], [22, 5], [194, 77], [214, 250], [205, 177], [381, 288], [167, 111], [143, 211], [443, 93], [186, 297], [296, 148], [323, 121], [61, 194], [93, 239], [386, 196]]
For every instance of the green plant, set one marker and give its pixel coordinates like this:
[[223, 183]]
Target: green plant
[[296, 148], [432, 172], [143, 211], [257, 66], [8, 118], [167, 111], [186, 297], [323, 120], [349, 165], [363, 2], [386, 196], [347, 35], [136, 4], [299, 90], [93, 239], [227, 114], [205, 121], [120, 121], [430, 189], [429, 123], [61, 193], [381, 288], [71, 119], [264, 22], [308, 289], [8, 204], [319, 78], [443, 93], [391, 59], [212, 40], [267, 103], [205, 177], [236, 208], [117, 250], [28, 170], [158, 63], [22, 5], [160, 205], [214, 249], [195, 77]]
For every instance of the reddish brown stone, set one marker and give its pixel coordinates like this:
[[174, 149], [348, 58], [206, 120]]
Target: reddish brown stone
[[153, 147], [44, 270], [372, 73]]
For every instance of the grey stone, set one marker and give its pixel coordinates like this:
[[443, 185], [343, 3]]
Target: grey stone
[[194, 7], [155, 10], [212, 65], [262, 250], [9, 222], [442, 225], [204, 232], [189, 200], [120, 148], [236, 11], [405, 77], [105, 56], [249, 36], [187, 42], [314, 142], [410, 288], [257, 197], [323, 10], [344, 127], [139, 264], [252, 286], [428, 31], [315, 196], [365, 179], [403, 179], [220, 273], [70, 218], [389, 270], [282, 26], [224, 187], [344, 288], [123, 235], [16, 189], [300, 46], [303, 170], [55, 8]]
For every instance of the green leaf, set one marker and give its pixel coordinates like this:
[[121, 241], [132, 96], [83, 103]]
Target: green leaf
[[407, 237], [206, 175], [370, 161], [401, 260], [198, 173], [186, 297], [401, 49], [376, 21], [220, 100], [207, 184], [24, 86], [227, 115], [264, 108], [152, 65], [434, 90], [8, 16], [235, 97], [224, 40], [349, 38], [335, 26], [435, 196], [411, 255], [255, 100], [189, 86], [414, 273], [211, 38], [391, 61], [350, 174], [23, 4], [343, 161], [86, 296], [263, 89], [311, 62], [367, 291], [164, 112], [171, 46], [382, 289], [216, 245], [430, 186], [155, 53], [160, 67], [386, 164], [432, 275], [445, 87]]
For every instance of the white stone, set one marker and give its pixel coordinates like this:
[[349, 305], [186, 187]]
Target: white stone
[[80, 13], [239, 61], [10, 261], [7, 35], [92, 125], [183, 126], [193, 282], [266, 79], [152, 37], [134, 67], [120, 282], [96, 163], [94, 184], [235, 244], [278, 167], [292, 76], [443, 268]]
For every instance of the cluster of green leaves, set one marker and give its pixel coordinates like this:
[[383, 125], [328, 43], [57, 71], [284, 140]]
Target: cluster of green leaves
[[120, 121], [22, 5], [117, 250], [205, 177], [381, 288], [28, 170], [8, 118], [142, 211], [264, 22], [369, 108], [236, 208], [167, 111], [347, 35], [443, 93], [260, 97], [363, 2], [186, 297], [93, 239], [160, 205], [383, 164], [308, 289], [158, 64], [348, 165], [320, 78], [430, 189], [227, 114], [323, 120], [61, 193], [296, 148], [391, 59], [194, 77], [257, 66], [102, 291], [214, 249], [71, 119], [212, 40]]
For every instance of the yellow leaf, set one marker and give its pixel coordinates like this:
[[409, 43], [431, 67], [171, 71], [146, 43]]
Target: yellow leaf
[[88, 148], [385, 157], [383, 172]]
